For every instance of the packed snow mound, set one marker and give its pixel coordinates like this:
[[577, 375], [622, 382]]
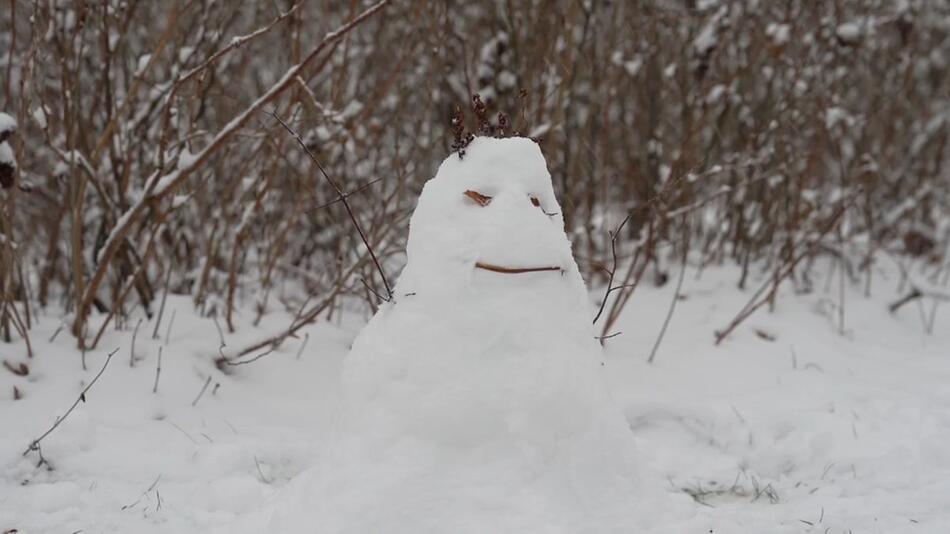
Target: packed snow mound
[[477, 391]]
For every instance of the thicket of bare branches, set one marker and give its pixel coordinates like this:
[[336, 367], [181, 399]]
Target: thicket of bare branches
[[149, 159]]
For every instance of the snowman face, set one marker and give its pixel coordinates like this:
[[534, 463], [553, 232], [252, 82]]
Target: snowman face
[[493, 211], [484, 201]]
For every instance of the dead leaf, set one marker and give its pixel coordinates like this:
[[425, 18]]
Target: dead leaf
[[479, 198]]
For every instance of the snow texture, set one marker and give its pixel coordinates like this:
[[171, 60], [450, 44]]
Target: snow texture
[[845, 432]]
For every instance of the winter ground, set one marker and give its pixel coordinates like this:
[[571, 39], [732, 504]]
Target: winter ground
[[811, 431]]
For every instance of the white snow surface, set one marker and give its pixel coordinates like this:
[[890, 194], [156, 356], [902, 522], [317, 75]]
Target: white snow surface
[[849, 432], [479, 402]]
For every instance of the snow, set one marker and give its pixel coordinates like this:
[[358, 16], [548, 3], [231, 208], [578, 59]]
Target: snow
[[848, 32], [706, 40], [836, 426], [633, 66], [478, 401], [186, 159], [835, 115], [142, 64], [7, 127], [708, 37], [39, 115], [6, 155], [715, 93], [7, 123], [780, 33]]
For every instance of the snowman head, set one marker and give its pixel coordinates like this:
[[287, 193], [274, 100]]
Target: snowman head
[[493, 212]]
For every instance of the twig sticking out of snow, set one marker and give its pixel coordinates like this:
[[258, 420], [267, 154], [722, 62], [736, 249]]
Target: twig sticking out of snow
[[306, 338], [135, 333], [220, 337], [35, 444], [168, 331], [676, 292], [161, 307], [613, 270], [202, 392], [158, 370]]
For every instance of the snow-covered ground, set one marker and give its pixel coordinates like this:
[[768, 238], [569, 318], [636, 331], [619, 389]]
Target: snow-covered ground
[[809, 431]]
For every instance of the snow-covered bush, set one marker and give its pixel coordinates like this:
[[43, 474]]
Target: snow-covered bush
[[148, 160]]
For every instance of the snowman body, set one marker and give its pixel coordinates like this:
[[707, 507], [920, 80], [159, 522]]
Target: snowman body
[[473, 402]]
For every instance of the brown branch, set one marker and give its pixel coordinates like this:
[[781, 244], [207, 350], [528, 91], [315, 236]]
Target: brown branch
[[349, 194], [276, 343], [514, 270], [613, 270]]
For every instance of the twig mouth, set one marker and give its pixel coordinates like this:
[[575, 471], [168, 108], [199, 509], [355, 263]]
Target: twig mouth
[[514, 270]]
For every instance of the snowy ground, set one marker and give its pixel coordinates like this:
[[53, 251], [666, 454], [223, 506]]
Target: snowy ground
[[810, 431]]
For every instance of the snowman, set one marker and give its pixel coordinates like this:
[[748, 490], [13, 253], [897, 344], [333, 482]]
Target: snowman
[[473, 402]]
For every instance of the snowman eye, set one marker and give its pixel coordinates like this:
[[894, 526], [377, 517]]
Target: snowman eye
[[537, 203], [478, 198]]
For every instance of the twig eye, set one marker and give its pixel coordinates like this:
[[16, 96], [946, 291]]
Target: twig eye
[[478, 198], [537, 203]]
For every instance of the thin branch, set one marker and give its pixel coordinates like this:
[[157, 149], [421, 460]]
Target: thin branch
[[277, 342], [342, 198], [306, 338], [613, 270], [676, 292], [202, 392], [373, 291], [168, 331], [35, 444], [158, 370], [161, 307], [348, 195], [135, 334]]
